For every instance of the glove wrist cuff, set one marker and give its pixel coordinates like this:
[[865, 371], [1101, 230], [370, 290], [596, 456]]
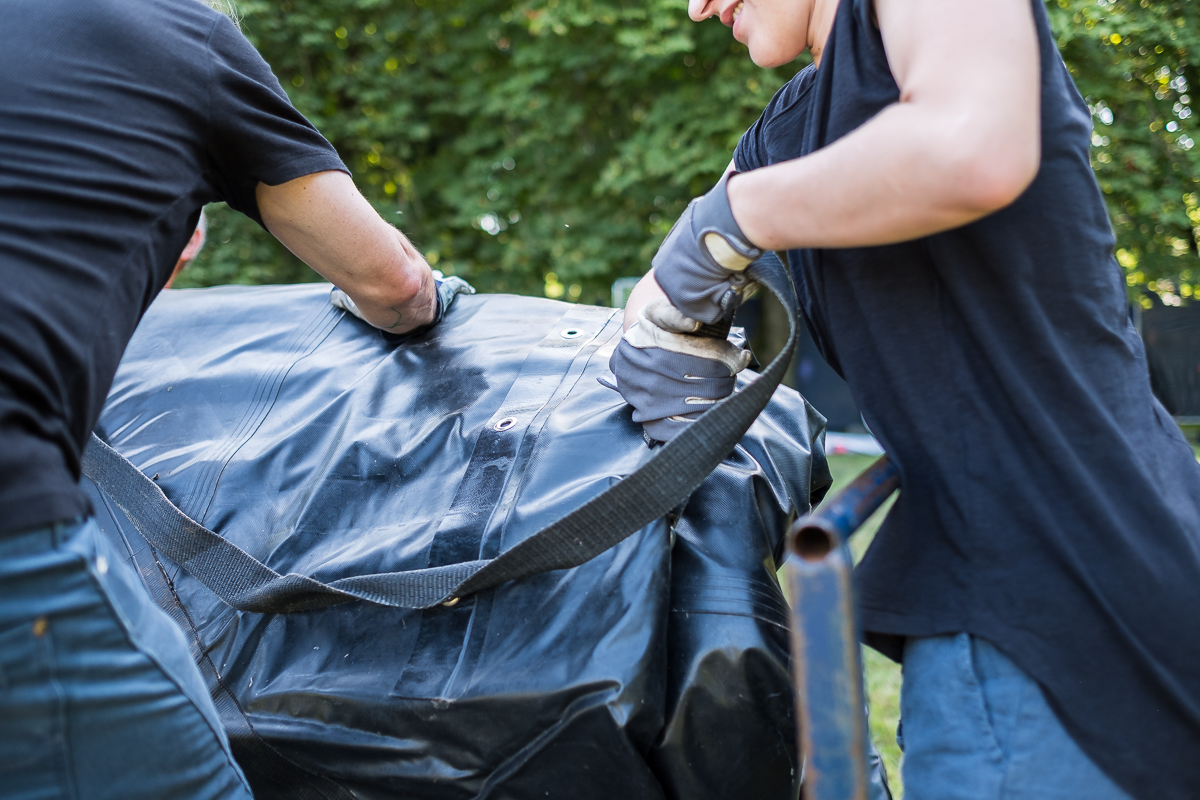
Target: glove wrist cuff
[[720, 233]]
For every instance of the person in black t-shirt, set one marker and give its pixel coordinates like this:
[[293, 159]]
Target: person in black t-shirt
[[119, 120], [1039, 574]]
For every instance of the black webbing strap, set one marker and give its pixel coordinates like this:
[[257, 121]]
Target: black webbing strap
[[650, 492]]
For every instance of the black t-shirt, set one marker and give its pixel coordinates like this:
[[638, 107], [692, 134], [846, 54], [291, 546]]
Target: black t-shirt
[[119, 120], [1049, 504]]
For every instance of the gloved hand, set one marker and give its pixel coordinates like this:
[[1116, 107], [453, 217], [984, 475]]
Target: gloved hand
[[447, 290], [671, 377], [701, 264]]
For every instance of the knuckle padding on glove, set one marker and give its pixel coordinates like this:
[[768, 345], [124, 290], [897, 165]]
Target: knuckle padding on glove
[[652, 380], [671, 378], [649, 334]]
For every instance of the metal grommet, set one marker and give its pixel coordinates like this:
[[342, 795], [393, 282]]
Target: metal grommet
[[571, 333], [452, 602], [505, 424]]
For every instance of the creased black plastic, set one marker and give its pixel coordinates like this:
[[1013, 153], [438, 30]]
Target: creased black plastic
[[308, 440]]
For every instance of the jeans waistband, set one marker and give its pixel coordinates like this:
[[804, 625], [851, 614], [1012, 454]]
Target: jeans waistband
[[36, 540]]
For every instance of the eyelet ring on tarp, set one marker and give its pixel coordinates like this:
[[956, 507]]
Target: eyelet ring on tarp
[[505, 424], [571, 333], [452, 602]]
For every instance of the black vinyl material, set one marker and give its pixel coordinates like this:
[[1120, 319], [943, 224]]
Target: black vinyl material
[[657, 669], [657, 488]]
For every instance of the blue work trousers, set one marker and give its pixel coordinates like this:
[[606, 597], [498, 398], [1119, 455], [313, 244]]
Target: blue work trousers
[[976, 727], [99, 696]]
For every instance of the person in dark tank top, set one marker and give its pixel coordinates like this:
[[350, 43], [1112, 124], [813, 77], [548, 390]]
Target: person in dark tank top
[[1039, 575]]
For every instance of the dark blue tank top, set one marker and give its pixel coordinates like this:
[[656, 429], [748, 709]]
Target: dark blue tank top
[[1049, 504]]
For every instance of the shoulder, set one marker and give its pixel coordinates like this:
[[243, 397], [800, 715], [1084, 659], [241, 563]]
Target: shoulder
[[777, 135], [161, 42], [236, 63], [160, 26], [791, 96]]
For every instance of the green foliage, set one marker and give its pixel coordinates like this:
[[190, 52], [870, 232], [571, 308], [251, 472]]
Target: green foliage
[[529, 146], [539, 146], [1136, 63]]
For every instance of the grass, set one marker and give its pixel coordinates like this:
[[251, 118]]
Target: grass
[[1192, 438], [1192, 434]]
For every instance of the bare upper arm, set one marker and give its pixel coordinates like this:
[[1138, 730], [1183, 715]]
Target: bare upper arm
[[974, 66]]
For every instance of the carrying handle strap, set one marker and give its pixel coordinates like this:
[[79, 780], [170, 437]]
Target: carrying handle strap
[[650, 492]]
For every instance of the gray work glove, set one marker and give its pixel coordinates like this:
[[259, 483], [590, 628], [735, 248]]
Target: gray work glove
[[447, 290], [671, 377], [701, 264]]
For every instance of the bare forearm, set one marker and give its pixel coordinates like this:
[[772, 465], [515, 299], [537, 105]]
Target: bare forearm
[[646, 291], [324, 220], [402, 307]]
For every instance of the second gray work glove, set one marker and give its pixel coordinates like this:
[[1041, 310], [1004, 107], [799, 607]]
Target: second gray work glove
[[701, 264], [670, 378]]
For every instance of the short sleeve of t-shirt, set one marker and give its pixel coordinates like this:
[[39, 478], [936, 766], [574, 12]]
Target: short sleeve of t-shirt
[[778, 131], [255, 134]]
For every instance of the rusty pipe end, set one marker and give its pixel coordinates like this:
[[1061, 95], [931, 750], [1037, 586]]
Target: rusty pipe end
[[812, 538]]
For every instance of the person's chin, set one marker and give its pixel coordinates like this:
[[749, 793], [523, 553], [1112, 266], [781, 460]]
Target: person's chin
[[766, 50], [769, 55]]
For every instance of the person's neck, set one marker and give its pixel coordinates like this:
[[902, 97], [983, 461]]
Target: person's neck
[[820, 23]]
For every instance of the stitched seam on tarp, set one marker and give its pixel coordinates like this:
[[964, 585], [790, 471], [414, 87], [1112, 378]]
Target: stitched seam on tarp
[[491, 536], [531, 433], [204, 483], [687, 612], [322, 327], [197, 499], [507, 502], [467, 493], [476, 481]]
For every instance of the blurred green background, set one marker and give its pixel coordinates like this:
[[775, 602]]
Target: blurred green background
[[546, 146]]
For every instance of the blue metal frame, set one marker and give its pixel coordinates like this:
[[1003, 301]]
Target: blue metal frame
[[826, 666]]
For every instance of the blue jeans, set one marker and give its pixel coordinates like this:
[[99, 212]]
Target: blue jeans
[[99, 696], [978, 728]]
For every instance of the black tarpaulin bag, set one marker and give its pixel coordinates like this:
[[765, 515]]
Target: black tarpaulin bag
[[658, 668]]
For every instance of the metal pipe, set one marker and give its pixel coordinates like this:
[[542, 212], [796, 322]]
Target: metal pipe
[[835, 520], [827, 670]]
